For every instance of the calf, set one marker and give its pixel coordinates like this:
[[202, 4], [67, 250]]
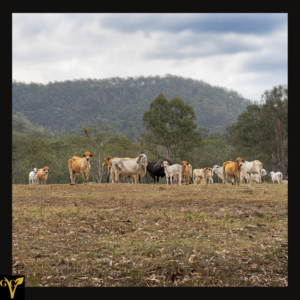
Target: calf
[[32, 176], [80, 165], [199, 176], [174, 170], [185, 171], [276, 177], [42, 174], [218, 170], [209, 174], [251, 167], [232, 170]]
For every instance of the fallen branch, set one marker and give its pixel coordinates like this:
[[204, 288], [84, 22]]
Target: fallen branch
[[111, 209], [117, 220]]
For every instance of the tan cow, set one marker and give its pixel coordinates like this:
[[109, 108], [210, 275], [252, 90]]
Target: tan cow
[[42, 174], [209, 174], [80, 165], [106, 162], [185, 172], [232, 169]]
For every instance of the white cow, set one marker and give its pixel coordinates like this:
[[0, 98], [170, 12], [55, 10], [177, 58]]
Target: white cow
[[284, 181], [174, 170], [276, 177], [255, 177], [218, 170], [251, 167], [199, 174], [129, 167], [32, 176]]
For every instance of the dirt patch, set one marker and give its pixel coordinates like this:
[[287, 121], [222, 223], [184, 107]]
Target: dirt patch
[[141, 235]]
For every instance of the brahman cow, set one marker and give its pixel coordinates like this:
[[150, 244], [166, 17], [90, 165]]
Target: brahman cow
[[173, 170], [231, 170], [276, 177], [129, 167], [32, 176], [110, 178], [199, 176], [251, 167], [80, 165], [42, 174], [156, 170], [209, 174], [185, 172]]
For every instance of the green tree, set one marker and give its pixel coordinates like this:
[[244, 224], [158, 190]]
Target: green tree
[[170, 125]]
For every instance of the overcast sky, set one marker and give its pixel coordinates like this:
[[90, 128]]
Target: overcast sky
[[243, 52]]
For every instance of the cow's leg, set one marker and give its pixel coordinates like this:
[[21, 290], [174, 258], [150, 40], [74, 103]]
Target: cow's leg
[[87, 177], [82, 175], [72, 176]]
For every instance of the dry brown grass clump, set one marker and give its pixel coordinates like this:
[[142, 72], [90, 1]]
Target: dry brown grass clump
[[150, 235]]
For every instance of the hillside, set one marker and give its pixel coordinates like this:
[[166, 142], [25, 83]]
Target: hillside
[[63, 107]]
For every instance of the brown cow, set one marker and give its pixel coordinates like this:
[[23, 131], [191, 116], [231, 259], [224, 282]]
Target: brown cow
[[106, 162], [80, 166], [232, 169], [42, 174], [185, 169], [209, 174]]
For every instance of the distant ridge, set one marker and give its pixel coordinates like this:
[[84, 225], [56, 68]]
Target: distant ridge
[[63, 107]]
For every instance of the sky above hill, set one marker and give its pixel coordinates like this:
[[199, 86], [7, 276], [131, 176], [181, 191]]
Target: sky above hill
[[243, 52]]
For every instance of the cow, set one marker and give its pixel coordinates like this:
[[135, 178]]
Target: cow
[[231, 170], [156, 170], [129, 167], [284, 181], [218, 170], [199, 176], [32, 176], [172, 170], [185, 172], [42, 174], [276, 177], [110, 178], [209, 174], [255, 177], [251, 167], [80, 165]]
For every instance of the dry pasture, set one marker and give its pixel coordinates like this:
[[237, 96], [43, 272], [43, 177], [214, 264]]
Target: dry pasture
[[150, 235]]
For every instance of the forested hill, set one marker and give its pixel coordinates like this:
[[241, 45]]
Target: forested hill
[[63, 107]]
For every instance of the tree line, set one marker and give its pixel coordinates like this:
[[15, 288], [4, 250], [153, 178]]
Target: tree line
[[169, 131]]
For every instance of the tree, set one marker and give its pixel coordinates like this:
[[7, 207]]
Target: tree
[[97, 137], [170, 124]]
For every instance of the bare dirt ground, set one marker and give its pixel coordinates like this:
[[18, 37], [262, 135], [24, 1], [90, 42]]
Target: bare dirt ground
[[150, 235]]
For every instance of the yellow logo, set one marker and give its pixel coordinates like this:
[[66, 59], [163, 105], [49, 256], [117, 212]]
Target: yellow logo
[[12, 285]]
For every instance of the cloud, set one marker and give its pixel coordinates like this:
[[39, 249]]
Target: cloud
[[57, 47]]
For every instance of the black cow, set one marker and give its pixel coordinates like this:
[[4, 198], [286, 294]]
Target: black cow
[[155, 169]]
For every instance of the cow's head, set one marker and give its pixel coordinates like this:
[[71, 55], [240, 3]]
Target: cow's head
[[271, 173], [239, 161], [184, 164], [46, 170], [106, 161], [165, 163], [215, 167], [142, 158], [263, 172], [87, 155], [35, 170], [208, 171]]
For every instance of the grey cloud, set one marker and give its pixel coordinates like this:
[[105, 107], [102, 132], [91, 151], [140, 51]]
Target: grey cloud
[[218, 23]]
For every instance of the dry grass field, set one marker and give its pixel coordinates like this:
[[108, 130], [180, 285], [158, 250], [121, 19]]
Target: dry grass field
[[150, 235]]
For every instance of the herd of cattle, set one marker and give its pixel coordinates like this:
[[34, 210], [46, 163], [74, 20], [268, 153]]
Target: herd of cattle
[[135, 168]]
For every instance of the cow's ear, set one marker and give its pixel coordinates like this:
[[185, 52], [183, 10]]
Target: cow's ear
[[83, 155], [243, 160], [49, 169], [44, 169], [91, 155]]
